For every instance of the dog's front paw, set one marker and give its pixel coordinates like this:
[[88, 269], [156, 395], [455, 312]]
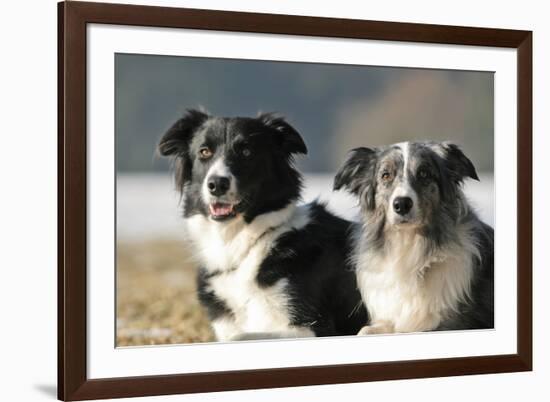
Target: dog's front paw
[[377, 328], [366, 330]]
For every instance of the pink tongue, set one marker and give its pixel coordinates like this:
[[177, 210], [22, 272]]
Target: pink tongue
[[221, 209]]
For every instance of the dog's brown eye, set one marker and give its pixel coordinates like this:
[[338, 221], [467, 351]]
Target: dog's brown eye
[[205, 153], [423, 174], [246, 152], [386, 176]]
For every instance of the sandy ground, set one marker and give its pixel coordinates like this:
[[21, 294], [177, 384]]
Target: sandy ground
[[156, 295]]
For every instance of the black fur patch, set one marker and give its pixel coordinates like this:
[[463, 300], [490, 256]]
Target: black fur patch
[[215, 307], [322, 284]]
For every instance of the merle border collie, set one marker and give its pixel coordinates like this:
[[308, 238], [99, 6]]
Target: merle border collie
[[268, 267], [424, 260]]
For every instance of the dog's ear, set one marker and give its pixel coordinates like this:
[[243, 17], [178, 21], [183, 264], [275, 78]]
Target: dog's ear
[[176, 140], [458, 165], [291, 141], [357, 174]]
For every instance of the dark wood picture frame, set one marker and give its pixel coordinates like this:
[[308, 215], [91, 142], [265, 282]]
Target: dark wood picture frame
[[73, 383]]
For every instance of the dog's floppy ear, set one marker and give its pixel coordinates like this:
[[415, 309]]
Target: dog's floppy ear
[[177, 138], [357, 174], [458, 165], [290, 140]]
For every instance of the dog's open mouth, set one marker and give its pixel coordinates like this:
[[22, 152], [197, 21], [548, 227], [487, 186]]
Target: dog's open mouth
[[220, 211]]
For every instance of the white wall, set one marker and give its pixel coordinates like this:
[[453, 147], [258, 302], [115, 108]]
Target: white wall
[[28, 198]]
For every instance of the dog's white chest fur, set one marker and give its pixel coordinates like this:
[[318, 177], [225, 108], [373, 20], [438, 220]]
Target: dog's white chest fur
[[406, 289], [234, 251], [254, 309]]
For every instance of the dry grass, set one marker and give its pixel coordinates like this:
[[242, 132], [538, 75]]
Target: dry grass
[[156, 296]]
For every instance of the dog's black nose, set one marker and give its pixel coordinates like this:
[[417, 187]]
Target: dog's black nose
[[218, 185], [402, 205]]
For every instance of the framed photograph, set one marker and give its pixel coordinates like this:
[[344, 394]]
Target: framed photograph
[[252, 200]]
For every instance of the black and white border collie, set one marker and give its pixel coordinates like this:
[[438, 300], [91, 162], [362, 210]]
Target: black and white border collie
[[268, 267], [424, 260]]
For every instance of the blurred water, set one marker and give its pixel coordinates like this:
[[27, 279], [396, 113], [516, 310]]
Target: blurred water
[[148, 206]]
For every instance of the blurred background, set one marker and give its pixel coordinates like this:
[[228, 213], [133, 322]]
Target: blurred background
[[334, 107]]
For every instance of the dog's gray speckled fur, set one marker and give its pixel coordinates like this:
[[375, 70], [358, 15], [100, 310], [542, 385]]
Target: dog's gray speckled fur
[[430, 268]]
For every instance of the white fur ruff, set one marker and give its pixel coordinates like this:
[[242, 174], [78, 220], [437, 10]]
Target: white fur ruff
[[408, 289], [236, 250]]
